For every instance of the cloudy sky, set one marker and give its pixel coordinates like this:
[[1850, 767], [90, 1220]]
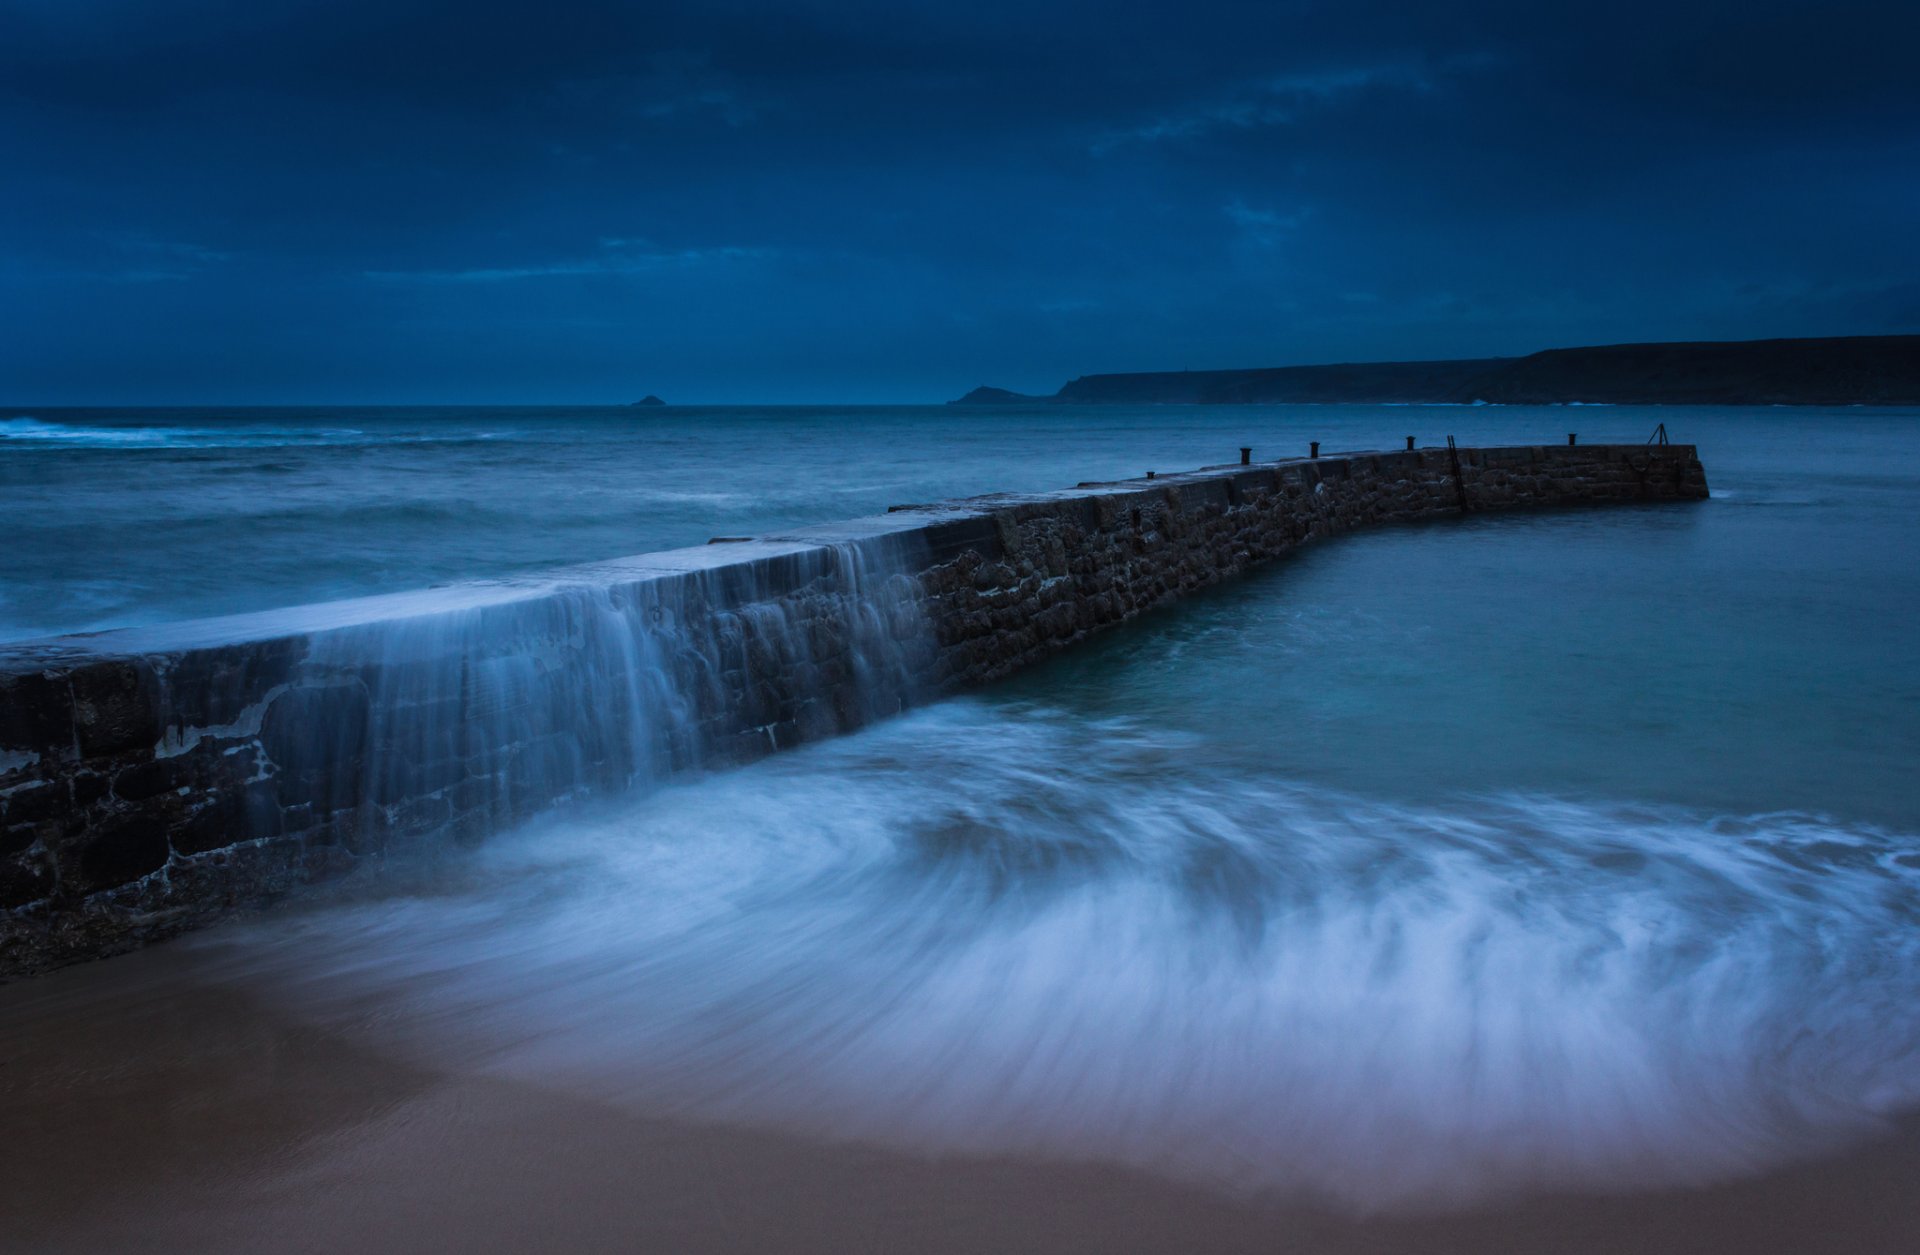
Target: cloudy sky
[[870, 200]]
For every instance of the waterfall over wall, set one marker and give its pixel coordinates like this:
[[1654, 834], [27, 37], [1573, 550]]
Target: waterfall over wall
[[475, 717], [152, 778]]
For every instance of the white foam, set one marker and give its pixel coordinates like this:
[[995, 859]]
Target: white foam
[[999, 930], [30, 431]]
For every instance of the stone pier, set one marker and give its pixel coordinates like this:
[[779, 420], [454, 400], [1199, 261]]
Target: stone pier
[[153, 779]]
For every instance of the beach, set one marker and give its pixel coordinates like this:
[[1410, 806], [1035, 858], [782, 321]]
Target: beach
[[1534, 881]]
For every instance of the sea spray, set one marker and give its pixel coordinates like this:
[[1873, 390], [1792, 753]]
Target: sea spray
[[994, 928]]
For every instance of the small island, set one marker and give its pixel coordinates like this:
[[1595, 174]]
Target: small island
[[649, 399], [997, 396]]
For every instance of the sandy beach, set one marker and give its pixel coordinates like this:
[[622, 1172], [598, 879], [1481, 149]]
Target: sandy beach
[[201, 1123]]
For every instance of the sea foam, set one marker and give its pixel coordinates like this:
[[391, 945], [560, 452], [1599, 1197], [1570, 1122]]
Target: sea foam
[[995, 928]]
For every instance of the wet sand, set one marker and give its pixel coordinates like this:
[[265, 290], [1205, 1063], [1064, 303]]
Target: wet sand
[[197, 1121]]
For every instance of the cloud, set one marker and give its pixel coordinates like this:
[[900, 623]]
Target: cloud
[[140, 258], [729, 107], [840, 178], [181, 251], [617, 256], [1264, 227], [672, 86], [1286, 99]]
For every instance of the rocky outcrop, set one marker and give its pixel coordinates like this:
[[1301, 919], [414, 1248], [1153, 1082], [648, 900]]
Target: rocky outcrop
[[152, 779], [996, 396]]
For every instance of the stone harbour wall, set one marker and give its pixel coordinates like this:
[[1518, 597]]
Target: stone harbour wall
[[153, 779]]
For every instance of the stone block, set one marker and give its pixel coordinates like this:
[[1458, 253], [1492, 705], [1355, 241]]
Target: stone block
[[151, 777], [24, 878], [116, 852], [216, 687], [34, 803], [230, 817], [14, 840], [317, 727], [36, 713], [116, 707]]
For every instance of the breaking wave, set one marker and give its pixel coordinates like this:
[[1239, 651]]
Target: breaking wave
[[998, 928], [38, 433]]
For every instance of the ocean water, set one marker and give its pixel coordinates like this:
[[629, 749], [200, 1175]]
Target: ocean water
[[246, 510], [117, 517], [1566, 851]]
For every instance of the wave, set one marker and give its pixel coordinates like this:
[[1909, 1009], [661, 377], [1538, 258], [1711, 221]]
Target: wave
[[26, 430], [999, 929]]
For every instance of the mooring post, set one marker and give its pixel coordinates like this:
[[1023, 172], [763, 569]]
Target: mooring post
[[1246, 456], [1573, 438], [1409, 444], [1313, 449], [1459, 480]]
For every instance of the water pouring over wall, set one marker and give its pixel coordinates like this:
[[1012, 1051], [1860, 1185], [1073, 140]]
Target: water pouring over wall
[[476, 717], [158, 776]]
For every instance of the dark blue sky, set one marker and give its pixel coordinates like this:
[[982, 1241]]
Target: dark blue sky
[[865, 200]]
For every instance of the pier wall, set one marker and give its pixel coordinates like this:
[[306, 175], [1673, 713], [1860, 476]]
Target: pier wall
[[153, 779]]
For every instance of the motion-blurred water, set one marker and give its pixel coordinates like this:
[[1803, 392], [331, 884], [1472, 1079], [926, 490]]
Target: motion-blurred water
[[1577, 849]]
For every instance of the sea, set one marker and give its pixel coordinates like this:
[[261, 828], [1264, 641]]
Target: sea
[[1566, 851]]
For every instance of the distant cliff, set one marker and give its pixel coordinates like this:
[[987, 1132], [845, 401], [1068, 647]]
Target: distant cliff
[[1852, 370], [1351, 381]]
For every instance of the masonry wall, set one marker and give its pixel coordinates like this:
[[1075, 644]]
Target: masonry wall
[[153, 779]]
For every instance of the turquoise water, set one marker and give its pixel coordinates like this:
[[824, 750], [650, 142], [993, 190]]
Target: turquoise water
[[1573, 850], [122, 516]]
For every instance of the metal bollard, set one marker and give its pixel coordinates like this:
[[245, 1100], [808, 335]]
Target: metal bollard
[[1313, 449], [1246, 456], [1572, 438], [1409, 444]]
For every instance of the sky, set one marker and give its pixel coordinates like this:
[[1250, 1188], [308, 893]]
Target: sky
[[421, 201]]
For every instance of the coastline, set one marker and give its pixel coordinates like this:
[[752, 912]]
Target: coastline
[[1832, 370]]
